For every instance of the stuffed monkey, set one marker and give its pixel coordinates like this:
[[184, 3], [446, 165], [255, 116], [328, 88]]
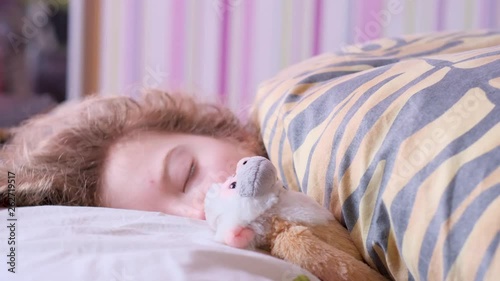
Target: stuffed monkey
[[252, 209]]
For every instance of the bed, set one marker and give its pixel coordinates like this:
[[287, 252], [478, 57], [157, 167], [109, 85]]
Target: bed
[[398, 137], [62, 243]]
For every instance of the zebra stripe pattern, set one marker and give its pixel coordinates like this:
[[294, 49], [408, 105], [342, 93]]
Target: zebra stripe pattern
[[400, 138]]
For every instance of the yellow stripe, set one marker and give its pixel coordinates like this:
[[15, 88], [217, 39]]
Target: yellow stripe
[[380, 253], [495, 82], [494, 271], [269, 97], [287, 161], [319, 163], [430, 193], [267, 100], [477, 62], [395, 264], [470, 47], [301, 154], [436, 262], [416, 151], [374, 138], [273, 148], [474, 249], [366, 208], [285, 80], [480, 46], [353, 175]]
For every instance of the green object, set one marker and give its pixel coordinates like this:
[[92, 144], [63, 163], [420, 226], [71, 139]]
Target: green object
[[301, 277]]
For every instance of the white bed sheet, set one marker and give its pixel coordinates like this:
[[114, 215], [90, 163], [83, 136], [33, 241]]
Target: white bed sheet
[[81, 243]]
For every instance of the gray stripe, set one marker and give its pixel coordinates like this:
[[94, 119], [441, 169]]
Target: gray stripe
[[271, 137], [320, 108], [446, 35], [350, 209], [291, 98], [467, 177], [371, 47], [321, 77], [435, 102], [374, 61], [402, 43], [488, 258], [270, 112], [399, 131], [275, 105], [461, 230], [453, 41], [496, 52], [434, 51], [378, 238], [280, 160], [464, 35], [313, 149], [392, 53], [361, 100]]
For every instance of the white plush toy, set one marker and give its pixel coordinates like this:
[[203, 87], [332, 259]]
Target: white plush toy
[[253, 209]]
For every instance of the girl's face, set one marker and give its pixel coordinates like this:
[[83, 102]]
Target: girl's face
[[167, 173]]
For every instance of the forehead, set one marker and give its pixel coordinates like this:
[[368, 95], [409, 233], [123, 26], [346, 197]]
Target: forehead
[[132, 158]]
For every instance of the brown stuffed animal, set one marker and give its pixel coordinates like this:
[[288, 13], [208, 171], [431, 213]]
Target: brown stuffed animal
[[253, 209]]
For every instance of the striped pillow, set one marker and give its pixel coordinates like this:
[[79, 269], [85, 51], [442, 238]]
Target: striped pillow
[[400, 138]]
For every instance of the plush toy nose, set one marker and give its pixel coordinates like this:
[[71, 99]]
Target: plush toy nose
[[256, 176]]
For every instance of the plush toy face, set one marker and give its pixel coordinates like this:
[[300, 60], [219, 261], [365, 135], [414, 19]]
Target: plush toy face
[[232, 205]]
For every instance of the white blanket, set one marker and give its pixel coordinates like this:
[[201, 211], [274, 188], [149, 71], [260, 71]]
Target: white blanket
[[80, 243]]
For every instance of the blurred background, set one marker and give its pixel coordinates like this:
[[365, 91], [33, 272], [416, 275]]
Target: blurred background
[[52, 51]]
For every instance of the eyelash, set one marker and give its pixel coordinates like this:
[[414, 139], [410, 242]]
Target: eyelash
[[191, 172]]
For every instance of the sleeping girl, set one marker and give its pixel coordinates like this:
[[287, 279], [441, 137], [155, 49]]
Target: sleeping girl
[[160, 153]]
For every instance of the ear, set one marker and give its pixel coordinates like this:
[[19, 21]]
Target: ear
[[239, 237]]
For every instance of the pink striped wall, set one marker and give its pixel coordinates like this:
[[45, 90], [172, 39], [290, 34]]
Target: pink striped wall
[[222, 49]]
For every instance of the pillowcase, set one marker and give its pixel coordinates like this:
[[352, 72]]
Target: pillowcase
[[82, 243], [399, 139]]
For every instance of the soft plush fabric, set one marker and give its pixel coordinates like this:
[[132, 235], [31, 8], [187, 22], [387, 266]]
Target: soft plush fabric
[[400, 138], [80, 243]]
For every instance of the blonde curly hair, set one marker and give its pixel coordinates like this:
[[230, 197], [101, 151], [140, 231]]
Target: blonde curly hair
[[58, 158]]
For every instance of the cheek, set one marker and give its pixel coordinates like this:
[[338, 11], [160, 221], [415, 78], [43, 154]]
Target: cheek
[[225, 158], [226, 165], [218, 170]]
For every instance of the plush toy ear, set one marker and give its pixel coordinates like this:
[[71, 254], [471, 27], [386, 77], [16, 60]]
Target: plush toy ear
[[239, 237]]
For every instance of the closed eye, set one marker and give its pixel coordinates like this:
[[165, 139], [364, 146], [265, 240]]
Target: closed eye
[[179, 166], [192, 169]]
